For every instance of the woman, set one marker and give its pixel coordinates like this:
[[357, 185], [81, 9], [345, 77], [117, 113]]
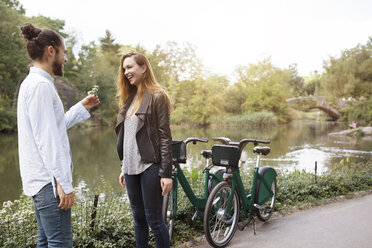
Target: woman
[[143, 145]]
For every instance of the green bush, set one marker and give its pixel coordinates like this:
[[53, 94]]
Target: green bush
[[359, 111], [113, 225], [8, 116], [299, 188]]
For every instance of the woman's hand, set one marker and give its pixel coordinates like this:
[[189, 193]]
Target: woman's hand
[[121, 180], [166, 185]]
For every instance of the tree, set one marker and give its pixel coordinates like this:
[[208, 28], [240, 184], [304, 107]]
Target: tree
[[296, 83], [108, 44], [13, 57], [72, 67], [351, 73], [234, 97], [266, 88], [179, 62], [15, 5], [196, 101], [47, 22]]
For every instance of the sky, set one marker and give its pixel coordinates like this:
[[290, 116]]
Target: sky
[[225, 33]]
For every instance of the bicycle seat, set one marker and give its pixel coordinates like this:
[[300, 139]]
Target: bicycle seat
[[206, 153], [264, 150]]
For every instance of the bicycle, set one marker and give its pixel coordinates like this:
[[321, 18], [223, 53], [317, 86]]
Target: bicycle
[[222, 210], [170, 200]]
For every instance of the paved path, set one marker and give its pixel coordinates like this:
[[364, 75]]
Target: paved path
[[343, 224]]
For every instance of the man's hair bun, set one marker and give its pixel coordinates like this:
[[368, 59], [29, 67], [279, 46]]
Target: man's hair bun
[[38, 39], [29, 31]]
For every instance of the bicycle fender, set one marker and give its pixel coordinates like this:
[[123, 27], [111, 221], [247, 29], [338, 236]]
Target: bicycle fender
[[263, 191]]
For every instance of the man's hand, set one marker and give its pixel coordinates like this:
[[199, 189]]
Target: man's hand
[[121, 180], [90, 101], [66, 201], [166, 185]]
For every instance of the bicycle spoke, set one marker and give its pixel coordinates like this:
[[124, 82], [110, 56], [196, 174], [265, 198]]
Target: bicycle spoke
[[220, 228]]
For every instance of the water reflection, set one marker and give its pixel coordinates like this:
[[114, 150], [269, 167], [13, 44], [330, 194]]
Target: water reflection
[[296, 146]]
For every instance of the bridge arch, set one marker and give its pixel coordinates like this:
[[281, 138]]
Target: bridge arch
[[310, 102]]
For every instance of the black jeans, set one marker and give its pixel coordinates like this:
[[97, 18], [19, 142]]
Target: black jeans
[[144, 192]]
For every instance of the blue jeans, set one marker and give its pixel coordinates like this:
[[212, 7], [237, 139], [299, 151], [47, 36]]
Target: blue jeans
[[144, 192], [54, 224]]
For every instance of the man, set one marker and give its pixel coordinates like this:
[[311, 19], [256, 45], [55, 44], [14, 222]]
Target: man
[[44, 150]]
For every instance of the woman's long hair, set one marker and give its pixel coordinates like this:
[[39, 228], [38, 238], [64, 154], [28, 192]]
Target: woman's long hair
[[125, 89]]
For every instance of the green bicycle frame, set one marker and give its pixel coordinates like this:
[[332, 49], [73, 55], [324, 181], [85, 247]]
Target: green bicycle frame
[[198, 203]]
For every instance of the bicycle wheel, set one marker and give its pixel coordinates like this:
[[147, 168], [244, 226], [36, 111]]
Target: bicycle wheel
[[268, 207], [221, 215], [167, 212]]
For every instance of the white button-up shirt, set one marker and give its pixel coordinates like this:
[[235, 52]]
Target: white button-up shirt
[[44, 149]]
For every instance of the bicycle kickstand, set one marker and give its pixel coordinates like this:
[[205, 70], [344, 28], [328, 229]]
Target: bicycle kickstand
[[251, 218]]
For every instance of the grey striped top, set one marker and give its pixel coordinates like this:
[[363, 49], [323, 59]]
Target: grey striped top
[[132, 164]]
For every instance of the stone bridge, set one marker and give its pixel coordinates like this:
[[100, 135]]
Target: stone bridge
[[310, 102]]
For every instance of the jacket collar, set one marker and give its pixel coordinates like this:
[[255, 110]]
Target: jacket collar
[[141, 111], [124, 109], [143, 107]]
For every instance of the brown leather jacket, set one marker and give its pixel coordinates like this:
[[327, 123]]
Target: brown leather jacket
[[153, 131]]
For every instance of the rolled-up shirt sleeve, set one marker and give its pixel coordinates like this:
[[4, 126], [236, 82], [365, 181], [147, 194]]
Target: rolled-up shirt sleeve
[[47, 138], [76, 114]]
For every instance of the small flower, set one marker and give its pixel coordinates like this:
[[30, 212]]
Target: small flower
[[94, 90]]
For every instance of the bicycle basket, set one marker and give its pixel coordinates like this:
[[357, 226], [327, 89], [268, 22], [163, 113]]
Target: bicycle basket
[[225, 155], [178, 148]]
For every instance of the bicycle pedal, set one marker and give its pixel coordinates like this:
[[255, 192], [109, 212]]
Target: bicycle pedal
[[258, 207]]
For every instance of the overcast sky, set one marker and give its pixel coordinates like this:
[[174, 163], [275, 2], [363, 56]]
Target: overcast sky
[[226, 33]]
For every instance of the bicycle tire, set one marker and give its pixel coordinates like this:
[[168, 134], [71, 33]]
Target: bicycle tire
[[167, 212], [265, 215], [216, 215]]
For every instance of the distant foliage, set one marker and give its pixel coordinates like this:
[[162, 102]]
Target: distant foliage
[[350, 74], [361, 111], [8, 117], [197, 95], [266, 88], [247, 119]]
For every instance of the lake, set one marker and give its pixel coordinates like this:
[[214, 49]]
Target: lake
[[295, 146]]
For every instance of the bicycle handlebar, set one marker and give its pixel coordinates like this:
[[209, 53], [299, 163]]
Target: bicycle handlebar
[[241, 144], [194, 140], [223, 140], [244, 142], [255, 141]]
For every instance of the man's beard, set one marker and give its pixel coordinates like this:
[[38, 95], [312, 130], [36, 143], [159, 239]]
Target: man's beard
[[57, 69]]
